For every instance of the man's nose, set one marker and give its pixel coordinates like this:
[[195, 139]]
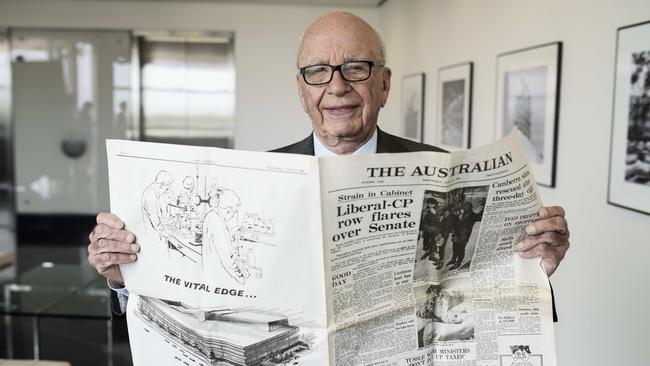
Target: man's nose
[[338, 85]]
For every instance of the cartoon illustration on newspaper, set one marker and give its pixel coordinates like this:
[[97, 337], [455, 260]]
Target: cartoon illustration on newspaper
[[199, 222]]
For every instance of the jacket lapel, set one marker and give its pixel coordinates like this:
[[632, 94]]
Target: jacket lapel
[[303, 147], [386, 143]]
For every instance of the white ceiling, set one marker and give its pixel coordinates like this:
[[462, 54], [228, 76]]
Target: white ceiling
[[353, 3]]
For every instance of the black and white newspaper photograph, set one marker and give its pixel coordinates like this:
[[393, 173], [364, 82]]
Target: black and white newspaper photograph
[[444, 312], [449, 229]]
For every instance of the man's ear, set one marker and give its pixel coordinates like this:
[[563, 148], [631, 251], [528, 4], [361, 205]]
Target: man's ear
[[301, 94], [386, 74]]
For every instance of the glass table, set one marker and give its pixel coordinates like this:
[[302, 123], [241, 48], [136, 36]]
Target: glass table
[[66, 291]]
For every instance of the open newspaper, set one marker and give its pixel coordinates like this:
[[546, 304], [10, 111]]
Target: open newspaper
[[274, 259]]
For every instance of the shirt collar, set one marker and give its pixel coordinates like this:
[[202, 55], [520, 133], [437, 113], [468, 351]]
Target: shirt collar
[[370, 147]]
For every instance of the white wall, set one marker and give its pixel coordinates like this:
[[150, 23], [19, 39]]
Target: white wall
[[603, 285], [268, 112]]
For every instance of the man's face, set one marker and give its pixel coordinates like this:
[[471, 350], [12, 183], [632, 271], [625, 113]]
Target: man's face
[[343, 109], [164, 186]]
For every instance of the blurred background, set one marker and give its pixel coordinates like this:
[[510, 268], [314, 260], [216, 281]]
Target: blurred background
[[222, 73]]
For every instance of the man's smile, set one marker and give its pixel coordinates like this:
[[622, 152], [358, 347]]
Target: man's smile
[[341, 110]]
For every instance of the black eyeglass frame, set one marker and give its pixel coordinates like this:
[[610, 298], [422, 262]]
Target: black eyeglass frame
[[338, 67]]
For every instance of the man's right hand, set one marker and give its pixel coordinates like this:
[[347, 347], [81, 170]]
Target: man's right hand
[[111, 245]]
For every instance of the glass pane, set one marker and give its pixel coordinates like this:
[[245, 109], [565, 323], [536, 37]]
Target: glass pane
[[6, 164], [188, 91], [57, 290], [71, 92]]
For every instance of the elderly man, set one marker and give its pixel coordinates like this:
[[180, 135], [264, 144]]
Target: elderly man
[[343, 83]]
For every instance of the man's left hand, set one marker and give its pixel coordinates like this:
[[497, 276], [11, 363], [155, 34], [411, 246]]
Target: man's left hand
[[548, 237]]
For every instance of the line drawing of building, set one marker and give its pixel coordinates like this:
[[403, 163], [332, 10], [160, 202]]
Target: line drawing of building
[[246, 337]]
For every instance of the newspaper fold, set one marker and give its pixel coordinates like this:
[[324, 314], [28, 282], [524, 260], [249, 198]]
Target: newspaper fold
[[275, 259]]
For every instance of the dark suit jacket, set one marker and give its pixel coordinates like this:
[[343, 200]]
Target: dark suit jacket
[[386, 143]]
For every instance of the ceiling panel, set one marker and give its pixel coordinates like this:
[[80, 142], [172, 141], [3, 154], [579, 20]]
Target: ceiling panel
[[346, 3]]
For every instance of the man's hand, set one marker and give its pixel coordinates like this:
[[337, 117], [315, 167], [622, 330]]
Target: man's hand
[[111, 245], [548, 237]]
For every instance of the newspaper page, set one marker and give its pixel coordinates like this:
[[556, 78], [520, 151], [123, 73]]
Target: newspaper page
[[230, 267], [419, 252], [274, 259]]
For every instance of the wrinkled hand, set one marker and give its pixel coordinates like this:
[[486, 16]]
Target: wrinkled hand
[[111, 245], [548, 237]]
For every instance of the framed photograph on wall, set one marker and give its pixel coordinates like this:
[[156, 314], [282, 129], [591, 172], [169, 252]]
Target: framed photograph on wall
[[413, 106], [629, 165], [454, 106], [527, 99]]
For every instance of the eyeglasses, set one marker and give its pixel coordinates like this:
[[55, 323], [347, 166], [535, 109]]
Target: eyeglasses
[[350, 71]]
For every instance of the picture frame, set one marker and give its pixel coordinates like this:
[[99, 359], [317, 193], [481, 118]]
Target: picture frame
[[629, 165], [412, 106], [528, 99], [454, 112]]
